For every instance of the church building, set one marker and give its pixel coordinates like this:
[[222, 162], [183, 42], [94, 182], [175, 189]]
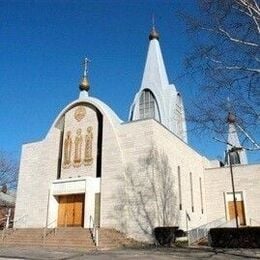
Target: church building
[[93, 168]]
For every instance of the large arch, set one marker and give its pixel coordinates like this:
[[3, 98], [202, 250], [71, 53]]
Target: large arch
[[102, 111]]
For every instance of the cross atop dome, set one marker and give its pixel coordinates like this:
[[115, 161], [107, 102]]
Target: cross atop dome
[[84, 85]]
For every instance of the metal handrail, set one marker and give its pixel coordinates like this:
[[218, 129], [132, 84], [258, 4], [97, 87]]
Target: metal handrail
[[45, 234], [7, 223], [94, 230], [201, 232], [19, 219]]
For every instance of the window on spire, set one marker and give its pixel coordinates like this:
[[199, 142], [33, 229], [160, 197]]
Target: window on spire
[[179, 127], [234, 157], [148, 107]]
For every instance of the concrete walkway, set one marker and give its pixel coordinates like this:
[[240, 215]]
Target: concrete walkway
[[38, 253]]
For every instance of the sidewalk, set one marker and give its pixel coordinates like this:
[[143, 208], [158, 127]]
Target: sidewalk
[[40, 253]]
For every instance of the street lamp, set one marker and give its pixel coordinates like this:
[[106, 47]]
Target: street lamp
[[233, 150]]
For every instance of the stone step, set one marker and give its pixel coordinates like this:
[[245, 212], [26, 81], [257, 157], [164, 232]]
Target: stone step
[[67, 237]]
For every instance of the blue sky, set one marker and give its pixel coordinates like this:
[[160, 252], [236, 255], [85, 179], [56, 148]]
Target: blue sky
[[42, 46]]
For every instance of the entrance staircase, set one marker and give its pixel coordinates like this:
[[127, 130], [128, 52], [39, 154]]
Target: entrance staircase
[[69, 238]]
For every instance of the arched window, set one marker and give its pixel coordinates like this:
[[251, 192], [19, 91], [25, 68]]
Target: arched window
[[148, 107]]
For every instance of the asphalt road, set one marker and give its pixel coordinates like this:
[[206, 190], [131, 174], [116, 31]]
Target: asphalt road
[[38, 253]]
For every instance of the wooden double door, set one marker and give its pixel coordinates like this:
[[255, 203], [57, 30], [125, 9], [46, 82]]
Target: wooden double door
[[240, 211], [71, 210]]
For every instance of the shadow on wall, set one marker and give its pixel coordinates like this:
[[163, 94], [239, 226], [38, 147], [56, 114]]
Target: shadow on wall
[[147, 199]]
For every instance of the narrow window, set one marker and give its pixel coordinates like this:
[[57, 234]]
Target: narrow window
[[178, 111], [179, 184], [191, 193], [201, 197]]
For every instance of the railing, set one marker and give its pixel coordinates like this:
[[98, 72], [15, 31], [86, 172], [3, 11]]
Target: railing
[[252, 221], [94, 230], [22, 219], [45, 230], [231, 223], [8, 221], [201, 232]]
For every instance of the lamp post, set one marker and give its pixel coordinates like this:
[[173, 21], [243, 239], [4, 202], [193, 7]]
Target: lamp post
[[233, 150]]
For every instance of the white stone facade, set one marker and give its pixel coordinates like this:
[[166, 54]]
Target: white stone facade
[[247, 183], [144, 171], [126, 173]]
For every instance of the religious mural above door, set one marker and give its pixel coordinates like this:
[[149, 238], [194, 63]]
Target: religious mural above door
[[79, 142], [82, 153], [78, 148], [88, 147], [67, 150]]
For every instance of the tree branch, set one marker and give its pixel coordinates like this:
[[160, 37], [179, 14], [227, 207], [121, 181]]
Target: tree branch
[[231, 38]]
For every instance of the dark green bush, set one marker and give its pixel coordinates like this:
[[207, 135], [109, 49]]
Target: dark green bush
[[247, 237], [165, 236]]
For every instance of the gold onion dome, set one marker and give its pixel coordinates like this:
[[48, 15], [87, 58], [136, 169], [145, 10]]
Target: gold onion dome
[[153, 34], [84, 85]]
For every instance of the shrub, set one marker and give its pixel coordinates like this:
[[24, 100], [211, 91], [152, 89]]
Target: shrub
[[248, 237], [165, 236]]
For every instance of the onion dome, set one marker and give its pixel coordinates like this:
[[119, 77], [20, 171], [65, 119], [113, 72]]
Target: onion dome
[[84, 85]]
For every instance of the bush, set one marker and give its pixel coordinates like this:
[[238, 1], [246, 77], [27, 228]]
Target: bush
[[248, 237], [165, 236]]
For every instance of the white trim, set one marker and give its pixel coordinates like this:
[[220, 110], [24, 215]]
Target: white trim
[[87, 185], [228, 196]]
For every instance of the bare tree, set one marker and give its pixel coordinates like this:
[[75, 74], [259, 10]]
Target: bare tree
[[8, 172], [149, 194], [225, 62]]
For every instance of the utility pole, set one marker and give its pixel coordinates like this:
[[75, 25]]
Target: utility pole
[[233, 150]]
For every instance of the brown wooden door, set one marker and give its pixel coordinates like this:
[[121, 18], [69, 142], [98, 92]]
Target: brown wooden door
[[71, 210], [78, 210], [240, 211], [62, 211]]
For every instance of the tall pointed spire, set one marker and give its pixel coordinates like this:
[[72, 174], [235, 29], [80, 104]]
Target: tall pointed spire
[[238, 157], [157, 98], [84, 85], [154, 70]]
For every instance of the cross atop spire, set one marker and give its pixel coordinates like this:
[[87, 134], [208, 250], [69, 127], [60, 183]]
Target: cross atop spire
[[84, 85], [153, 21], [153, 34]]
